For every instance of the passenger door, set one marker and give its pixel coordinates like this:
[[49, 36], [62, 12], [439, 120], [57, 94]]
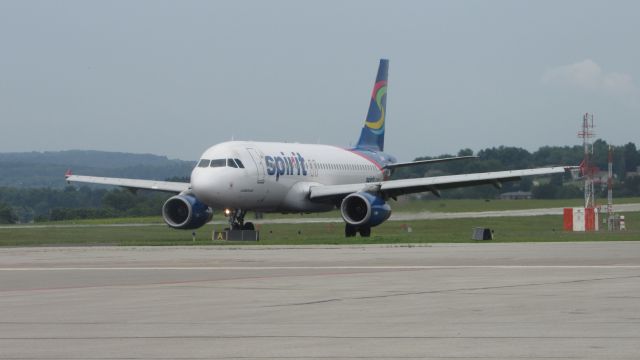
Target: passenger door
[[257, 158]]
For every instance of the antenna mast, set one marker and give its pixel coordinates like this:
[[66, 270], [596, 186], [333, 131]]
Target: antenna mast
[[586, 134]]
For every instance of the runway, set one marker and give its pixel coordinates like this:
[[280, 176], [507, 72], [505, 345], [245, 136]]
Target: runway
[[444, 301]]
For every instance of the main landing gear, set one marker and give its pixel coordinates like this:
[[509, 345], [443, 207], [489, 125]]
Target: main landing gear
[[351, 231], [236, 220]]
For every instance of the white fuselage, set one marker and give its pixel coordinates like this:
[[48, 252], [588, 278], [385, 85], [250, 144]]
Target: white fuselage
[[276, 176]]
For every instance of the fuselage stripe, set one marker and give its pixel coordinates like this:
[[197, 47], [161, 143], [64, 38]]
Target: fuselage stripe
[[361, 155], [366, 158]]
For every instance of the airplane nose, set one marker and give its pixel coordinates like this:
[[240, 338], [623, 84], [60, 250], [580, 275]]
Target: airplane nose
[[200, 184], [205, 184]]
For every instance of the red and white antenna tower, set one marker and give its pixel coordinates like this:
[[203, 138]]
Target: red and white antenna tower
[[587, 169]]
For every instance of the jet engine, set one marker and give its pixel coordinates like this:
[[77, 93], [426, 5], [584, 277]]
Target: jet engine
[[185, 212], [363, 209]]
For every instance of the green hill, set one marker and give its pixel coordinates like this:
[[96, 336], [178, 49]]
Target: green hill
[[47, 169]]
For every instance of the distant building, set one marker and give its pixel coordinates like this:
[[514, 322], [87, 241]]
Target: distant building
[[601, 177], [634, 173], [516, 195]]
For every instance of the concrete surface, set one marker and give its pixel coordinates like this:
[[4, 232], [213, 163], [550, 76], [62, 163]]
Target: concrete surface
[[466, 301]]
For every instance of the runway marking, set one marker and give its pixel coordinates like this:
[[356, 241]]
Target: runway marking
[[363, 267]]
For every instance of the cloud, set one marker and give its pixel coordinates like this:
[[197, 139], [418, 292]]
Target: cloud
[[588, 75]]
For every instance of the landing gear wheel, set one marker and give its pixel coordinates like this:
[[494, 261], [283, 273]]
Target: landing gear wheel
[[236, 219], [365, 231], [248, 226], [350, 230]]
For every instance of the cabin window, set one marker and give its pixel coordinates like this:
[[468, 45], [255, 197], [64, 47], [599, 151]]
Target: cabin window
[[203, 163], [240, 164], [218, 162], [231, 163]]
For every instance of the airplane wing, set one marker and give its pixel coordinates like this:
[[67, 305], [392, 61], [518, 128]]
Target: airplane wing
[[392, 188], [167, 186], [430, 161]]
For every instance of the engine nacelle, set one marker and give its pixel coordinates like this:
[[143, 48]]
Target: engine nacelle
[[185, 212], [364, 209]]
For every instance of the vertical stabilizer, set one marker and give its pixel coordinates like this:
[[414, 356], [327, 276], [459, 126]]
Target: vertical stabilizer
[[372, 135]]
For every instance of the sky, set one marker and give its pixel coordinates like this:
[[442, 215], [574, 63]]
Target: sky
[[175, 77]]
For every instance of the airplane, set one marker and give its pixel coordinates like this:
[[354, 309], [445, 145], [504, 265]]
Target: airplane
[[241, 176]]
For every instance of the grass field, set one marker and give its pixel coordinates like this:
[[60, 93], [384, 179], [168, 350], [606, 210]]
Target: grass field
[[511, 229], [435, 205], [468, 205]]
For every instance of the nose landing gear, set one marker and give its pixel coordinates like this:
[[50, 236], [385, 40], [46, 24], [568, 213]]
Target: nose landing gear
[[236, 220], [238, 230]]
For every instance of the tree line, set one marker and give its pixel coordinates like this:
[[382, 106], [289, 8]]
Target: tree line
[[626, 159], [43, 204]]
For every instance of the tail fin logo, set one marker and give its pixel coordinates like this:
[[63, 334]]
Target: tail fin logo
[[372, 133], [377, 96]]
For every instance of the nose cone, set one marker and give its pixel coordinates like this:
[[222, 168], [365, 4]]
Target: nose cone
[[202, 185]]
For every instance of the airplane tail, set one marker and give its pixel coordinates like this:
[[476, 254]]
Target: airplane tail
[[372, 135]]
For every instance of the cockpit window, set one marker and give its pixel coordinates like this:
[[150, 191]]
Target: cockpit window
[[203, 163], [218, 162], [231, 163], [240, 165]]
